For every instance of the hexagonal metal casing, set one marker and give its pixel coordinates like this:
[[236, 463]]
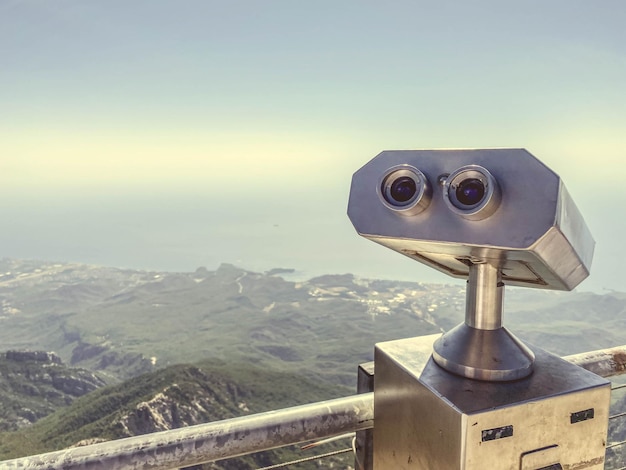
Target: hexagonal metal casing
[[533, 231]]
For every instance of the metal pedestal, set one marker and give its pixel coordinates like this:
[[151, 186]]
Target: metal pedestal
[[430, 419]]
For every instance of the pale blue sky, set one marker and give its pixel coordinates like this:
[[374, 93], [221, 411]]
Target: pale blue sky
[[173, 134]]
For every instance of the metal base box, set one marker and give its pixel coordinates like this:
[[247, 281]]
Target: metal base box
[[430, 419]]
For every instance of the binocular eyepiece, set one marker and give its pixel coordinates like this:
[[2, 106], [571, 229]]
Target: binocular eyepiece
[[405, 190], [470, 191]]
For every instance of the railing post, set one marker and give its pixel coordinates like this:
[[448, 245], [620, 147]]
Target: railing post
[[364, 456]]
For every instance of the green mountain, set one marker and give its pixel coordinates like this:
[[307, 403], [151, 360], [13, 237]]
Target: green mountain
[[124, 323], [180, 395]]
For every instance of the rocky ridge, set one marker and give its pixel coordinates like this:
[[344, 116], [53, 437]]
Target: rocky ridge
[[34, 384], [177, 396]]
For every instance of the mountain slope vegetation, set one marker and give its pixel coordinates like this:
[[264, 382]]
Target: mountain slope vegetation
[[180, 395]]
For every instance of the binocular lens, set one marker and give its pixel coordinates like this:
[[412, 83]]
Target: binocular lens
[[470, 191], [402, 189], [405, 190]]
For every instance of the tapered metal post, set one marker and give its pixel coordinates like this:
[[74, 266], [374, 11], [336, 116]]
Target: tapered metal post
[[484, 297], [481, 348]]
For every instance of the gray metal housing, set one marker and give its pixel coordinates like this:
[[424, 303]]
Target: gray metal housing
[[429, 419], [534, 232]]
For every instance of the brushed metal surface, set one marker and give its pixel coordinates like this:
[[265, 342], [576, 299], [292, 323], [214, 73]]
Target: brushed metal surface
[[536, 233], [430, 419], [485, 297], [492, 355]]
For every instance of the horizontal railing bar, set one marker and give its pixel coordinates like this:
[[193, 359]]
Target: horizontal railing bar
[[204, 443], [616, 444], [603, 362], [307, 459], [618, 415], [230, 438]]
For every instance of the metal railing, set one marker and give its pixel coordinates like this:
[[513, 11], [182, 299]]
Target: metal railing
[[615, 455], [213, 441], [230, 438]]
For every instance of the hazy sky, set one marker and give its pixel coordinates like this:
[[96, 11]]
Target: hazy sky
[[174, 134]]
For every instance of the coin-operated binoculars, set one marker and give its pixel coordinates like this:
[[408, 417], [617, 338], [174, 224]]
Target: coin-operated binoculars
[[477, 397]]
